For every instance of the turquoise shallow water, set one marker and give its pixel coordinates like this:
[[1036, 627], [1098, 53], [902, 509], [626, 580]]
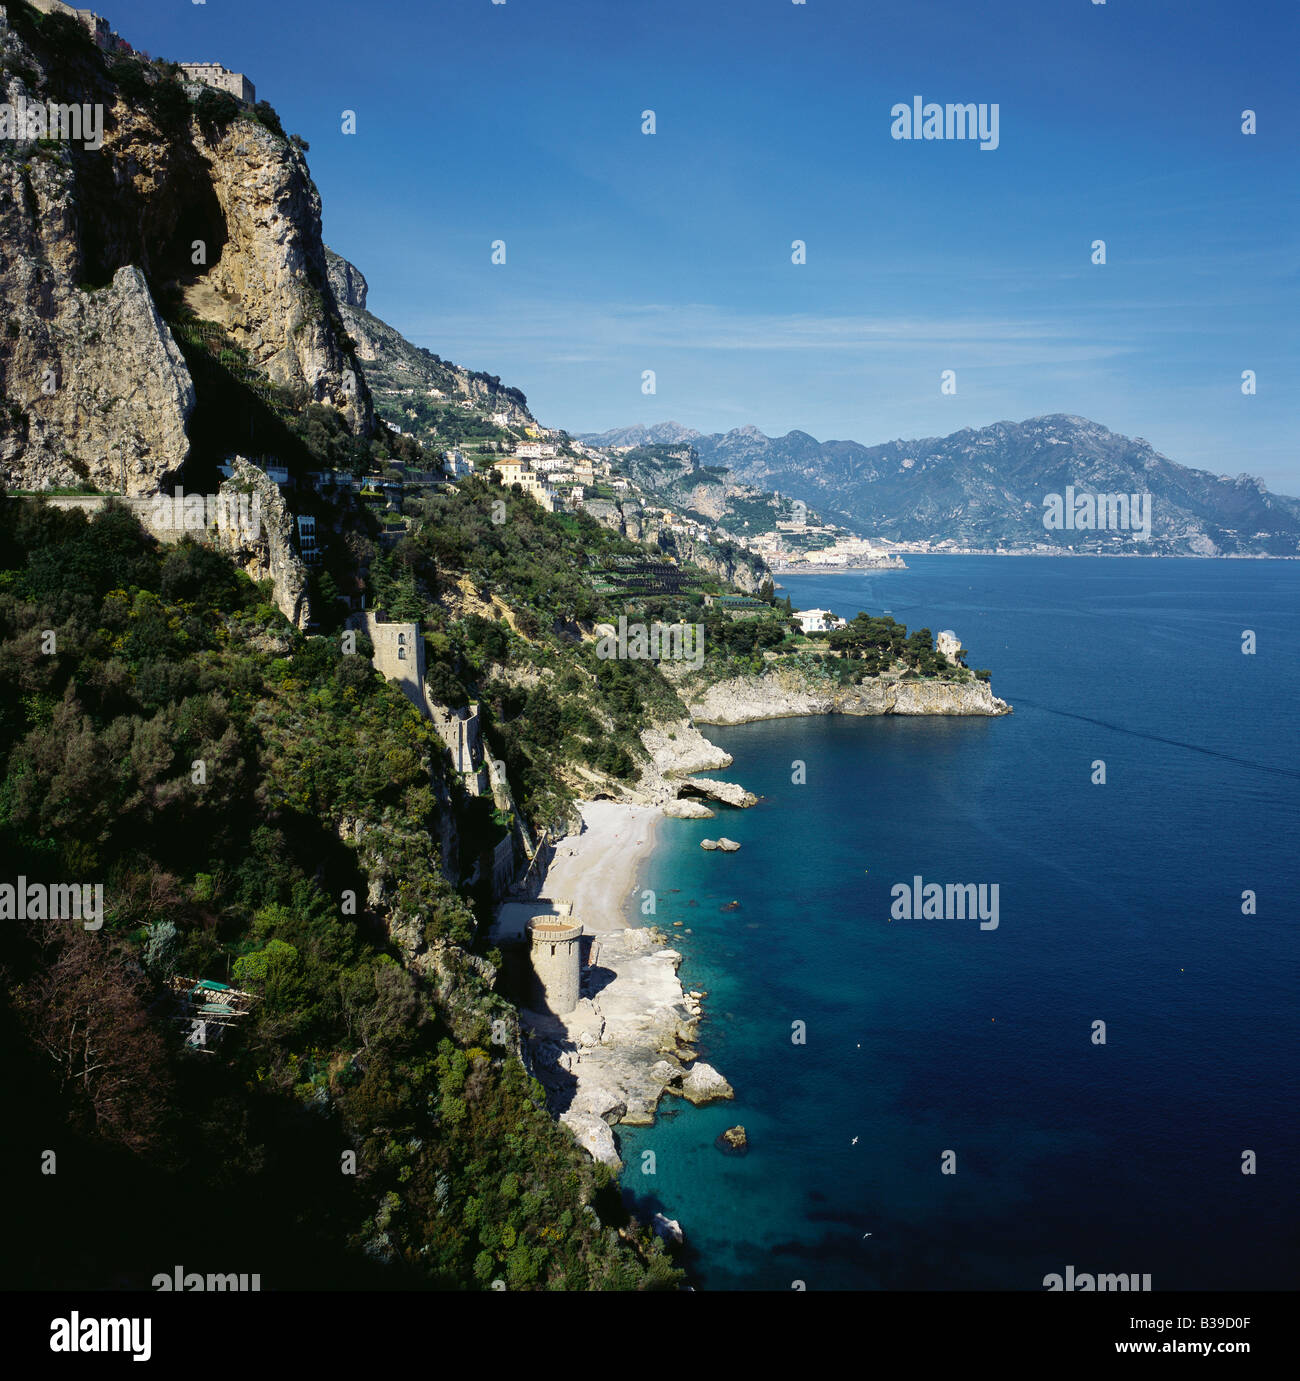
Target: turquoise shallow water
[[1119, 903]]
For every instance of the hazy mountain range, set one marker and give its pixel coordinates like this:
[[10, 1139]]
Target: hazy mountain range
[[986, 487]]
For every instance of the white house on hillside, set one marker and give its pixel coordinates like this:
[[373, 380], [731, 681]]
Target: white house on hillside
[[818, 620]]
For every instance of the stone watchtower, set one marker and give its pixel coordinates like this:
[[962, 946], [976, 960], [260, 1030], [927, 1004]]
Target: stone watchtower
[[555, 944], [399, 653]]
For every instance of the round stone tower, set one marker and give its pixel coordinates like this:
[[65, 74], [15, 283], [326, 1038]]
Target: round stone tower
[[554, 943]]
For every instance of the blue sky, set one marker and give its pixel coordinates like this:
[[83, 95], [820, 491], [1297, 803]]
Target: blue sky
[[671, 252]]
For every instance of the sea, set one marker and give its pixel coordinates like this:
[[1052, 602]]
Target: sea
[[1106, 1080]]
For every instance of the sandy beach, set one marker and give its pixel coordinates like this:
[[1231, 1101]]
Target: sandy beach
[[597, 870], [628, 1040]]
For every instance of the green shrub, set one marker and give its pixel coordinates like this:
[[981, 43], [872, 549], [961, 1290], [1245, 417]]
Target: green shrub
[[264, 112], [216, 109]]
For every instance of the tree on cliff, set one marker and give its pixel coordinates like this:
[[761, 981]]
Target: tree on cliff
[[84, 1009]]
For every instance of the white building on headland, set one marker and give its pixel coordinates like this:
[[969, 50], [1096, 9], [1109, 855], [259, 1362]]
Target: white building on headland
[[818, 620], [949, 644]]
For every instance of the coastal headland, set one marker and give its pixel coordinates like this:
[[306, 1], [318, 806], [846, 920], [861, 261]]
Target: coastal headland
[[781, 695]]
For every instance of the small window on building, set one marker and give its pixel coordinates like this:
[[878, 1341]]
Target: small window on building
[[401, 654], [401, 637]]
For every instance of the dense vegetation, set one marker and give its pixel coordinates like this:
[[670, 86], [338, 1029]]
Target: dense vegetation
[[165, 733], [550, 706]]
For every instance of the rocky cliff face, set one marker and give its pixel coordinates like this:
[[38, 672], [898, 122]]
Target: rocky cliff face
[[393, 365], [733, 564], [349, 283], [736, 565], [269, 552], [786, 693], [98, 246], [270, 286]]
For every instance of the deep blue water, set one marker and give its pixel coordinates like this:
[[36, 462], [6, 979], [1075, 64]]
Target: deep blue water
[[1120, 903]]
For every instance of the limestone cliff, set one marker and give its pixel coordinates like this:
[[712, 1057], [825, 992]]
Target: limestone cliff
[[269, 285], [396, 368], [267, 550], [736, 565], [784, 693], [101, 247], [349, 283]]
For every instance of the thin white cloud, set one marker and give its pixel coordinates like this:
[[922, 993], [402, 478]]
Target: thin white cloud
[[580, 334]]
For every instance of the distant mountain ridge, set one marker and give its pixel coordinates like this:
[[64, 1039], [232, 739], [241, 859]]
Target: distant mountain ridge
[[985, 487]]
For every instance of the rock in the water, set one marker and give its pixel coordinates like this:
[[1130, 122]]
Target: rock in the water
[[729, 793], [703, 1084], [709, 844], [728, 846], [688, 810], [669, 1229], [733, 1141]]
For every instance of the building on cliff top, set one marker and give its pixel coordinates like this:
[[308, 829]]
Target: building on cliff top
[[222, 78], [521, 472], [96, 25]]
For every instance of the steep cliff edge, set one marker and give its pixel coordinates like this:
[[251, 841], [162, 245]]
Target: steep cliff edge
[[394, 366], [265, 550], [736, 565], [102, 244], [270, 286]]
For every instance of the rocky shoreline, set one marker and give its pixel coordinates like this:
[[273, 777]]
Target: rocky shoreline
[[784, 694], [631, 1038], [628, 1042]]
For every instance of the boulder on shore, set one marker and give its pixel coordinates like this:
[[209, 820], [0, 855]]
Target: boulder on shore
[[728, 846], [703, 1084], [669, 1229], [594, 1136], [709, 844], [688, 810]]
